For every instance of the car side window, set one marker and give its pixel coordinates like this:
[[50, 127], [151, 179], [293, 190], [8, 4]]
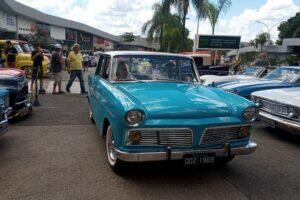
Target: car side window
[[105, 68], [99, 65]]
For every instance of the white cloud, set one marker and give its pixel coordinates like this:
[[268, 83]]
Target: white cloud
[[271, 13], [118, 16]]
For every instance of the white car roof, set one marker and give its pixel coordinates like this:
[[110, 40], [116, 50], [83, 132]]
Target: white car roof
[[118, 53]]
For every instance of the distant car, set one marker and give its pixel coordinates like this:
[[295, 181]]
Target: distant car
[[281, 77], [15, 82], [280, 108], [4, 111], [151, 107], [250, 73]]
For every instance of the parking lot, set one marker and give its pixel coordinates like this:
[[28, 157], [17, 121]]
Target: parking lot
[[56, 153]]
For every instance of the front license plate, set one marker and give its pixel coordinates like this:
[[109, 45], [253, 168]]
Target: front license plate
[[198, 159], [269, 123]]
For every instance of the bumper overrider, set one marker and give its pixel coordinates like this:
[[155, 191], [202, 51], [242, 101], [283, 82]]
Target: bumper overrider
[[280, 122], [4, 122], [169, 154], [24, 108]]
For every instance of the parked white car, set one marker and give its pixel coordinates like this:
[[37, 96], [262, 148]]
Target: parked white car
[[280, 108], [250, 73]]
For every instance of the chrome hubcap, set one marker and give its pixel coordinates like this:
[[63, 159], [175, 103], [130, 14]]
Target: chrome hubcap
[[110, 144]]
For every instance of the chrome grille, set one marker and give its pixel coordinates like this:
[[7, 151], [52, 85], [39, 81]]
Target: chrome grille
[[173, 137], [220, 135], [274, 107]]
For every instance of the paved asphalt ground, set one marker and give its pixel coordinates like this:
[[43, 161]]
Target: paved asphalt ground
[[56, 153]]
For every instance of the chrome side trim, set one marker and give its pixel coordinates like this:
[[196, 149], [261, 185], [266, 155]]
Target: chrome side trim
[[178, 155], [286, 124], [22, 102]]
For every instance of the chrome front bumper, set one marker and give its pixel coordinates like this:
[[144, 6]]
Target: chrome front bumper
[[282, 123], [178, 155], [4, 123], [22, 112]]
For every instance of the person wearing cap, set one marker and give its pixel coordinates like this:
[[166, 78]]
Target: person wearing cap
[[56, 69], [11, 54], [263, 61], [75, 67]]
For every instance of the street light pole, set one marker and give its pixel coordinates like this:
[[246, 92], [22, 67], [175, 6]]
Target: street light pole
[[269, 29]]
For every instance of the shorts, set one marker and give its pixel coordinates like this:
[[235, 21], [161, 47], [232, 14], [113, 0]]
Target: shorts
[[57, 77], [36, 73]]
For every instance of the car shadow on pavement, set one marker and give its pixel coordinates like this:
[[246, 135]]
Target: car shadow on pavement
[[283, 135]]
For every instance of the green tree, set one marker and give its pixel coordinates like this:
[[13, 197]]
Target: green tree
[[172, 34], [155, 26], [261, 39], [127, 37], [214, 10], [183, 9], [39, 37], [290, 28]]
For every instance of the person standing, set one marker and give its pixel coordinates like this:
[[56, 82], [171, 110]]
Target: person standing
[[11, 54], [37, 57], [56, 69], [263, 61], [75, 67]]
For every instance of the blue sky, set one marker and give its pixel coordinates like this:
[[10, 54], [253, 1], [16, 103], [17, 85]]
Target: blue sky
[[118, 16]]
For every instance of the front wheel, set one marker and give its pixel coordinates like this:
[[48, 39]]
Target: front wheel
[[116, 164]]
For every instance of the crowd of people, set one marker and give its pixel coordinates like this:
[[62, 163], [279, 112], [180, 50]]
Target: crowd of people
[[75, 66]]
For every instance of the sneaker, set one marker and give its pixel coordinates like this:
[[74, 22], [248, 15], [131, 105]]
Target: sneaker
[[68, 90], [42, 92], [61, 92]]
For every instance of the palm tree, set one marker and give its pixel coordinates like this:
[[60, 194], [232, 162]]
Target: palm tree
[[261, 39], [200, 8], [213, 12], [155, 26], [183, 8]]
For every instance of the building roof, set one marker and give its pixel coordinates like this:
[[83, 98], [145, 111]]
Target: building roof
[[20, 9]]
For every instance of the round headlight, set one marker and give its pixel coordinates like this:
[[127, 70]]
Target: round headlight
[[134, 117], [250, 114]]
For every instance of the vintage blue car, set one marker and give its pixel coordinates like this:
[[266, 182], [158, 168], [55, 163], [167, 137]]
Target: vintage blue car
[[282, 77], [151, 107], [5, 110], [15, 82]]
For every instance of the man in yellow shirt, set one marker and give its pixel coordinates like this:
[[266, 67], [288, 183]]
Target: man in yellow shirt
[[75, 67]]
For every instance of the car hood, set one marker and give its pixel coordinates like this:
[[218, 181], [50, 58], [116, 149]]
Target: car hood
[[290, 96], [247, 84], [209, 79], [177, 100], [6, 72]]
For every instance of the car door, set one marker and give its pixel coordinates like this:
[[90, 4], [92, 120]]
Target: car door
[[99, 82]]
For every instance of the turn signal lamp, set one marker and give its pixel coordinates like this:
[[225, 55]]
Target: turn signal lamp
[[135, 137], [244, 132]]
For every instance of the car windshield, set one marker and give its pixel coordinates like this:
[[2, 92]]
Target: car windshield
[[252, 71], [19, 49], [25, 48], [153, 68], [284, 74]]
